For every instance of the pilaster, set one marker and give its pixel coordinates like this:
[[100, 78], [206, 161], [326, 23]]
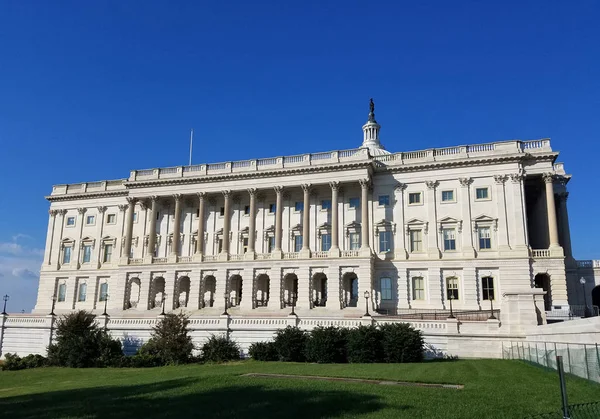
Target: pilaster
[[503, 236], [468, 249], [433, 248], [400, 246]]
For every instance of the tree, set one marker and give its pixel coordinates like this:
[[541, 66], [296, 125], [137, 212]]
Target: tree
[[170, 340]]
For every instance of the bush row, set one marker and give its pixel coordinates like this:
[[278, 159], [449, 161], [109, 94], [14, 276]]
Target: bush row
[[396, 343]]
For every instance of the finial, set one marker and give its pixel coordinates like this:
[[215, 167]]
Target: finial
[[372, 111]]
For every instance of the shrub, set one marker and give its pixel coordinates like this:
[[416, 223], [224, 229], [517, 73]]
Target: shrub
[[290, 343], [80, 343], [263, 351], [34, 361], [220, 349], [365, 345], [170, 340], [402, 343], [13, 362], [141, 360], [327, 345]]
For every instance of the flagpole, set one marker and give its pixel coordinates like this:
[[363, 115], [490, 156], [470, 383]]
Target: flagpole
[[191, 143]]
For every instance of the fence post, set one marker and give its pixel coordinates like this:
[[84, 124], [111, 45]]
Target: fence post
[[569, 358], [598, 358], [546, 354], [502, 349], [563, 387], [537, 354], [529, 351], [587, 365]]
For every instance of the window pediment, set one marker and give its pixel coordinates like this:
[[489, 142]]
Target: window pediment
[[484, 220], [385, 225]]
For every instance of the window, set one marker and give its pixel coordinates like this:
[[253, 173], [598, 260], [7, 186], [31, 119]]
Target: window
[[414, 198], [487, 288], [299, 206], [135, 217], [67, 255], [452, 288], [416, 241], [354, 241], [82, 292], [112, 219], [326, 204], [103, 291], [220, 245], [108, 249], [481, 193], [449, 238], [270, 244], [485, 241], [447, 196], [245, 244], [87, 253], [157, 215], [385, 288], [384, 200], [198, 213], [385, 241], [272, 208], [222, 211], [90, 219], [354, 202], [247, 210], [62, 292], [418, 286], [70, 221], [297, 243], [325, 242]]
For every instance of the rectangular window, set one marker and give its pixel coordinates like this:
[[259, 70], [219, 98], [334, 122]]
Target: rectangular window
[[481, 193], [485, 240], [222, 211], [90, 219], [452, 288], [384, 200], [135, 217], [487, 288], [82, 292], [297, 243], [270, 244], [326, 204], [418, 288], [108, 249], [247, 210], [272, 208], [299, 206], [245, 244], [157, 215], [87, 253], [449, 238], [354, 241], [62, 292], [416, 241], [67, 255], [447, 196], [70, 221], [385, 241], [414, 198], [354, 202], [111, 219], [103, 291], [385, 288], [325, 242]]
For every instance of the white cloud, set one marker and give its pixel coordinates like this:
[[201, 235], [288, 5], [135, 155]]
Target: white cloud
[[20, 236], [15, 249], [24, 273]]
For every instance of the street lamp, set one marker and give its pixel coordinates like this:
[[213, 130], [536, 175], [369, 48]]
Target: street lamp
[[53, 298], [105, 302], [367, 295], [293, 298], [586, 312], [5, 298], [162, 303], [451, 316], [492, 317], [226, 297]]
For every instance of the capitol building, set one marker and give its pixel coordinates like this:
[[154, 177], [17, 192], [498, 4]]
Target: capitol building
[[341, 237]]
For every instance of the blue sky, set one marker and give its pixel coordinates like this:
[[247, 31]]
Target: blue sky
[[91, 90]]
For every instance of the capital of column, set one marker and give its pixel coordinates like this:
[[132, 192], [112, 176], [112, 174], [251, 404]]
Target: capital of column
[[201, 195], [53, 212], [131, 200], [154, 198], [500, 179], [252, 191], [101, 209], [400, 187], [335, 185], [465, 181], [177, 197], [278, 189], [306, 187], [432, 184], [516, 177], [364, 183], [123, 207], [143, 205], [62, 212], [563, 196], [548, 177], [226, 193], [81, 210]]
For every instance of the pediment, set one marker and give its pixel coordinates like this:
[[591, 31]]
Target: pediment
[[448, 220], [415, 221], [297, 227], [353, 224], [483, 218], [383, 223], [324, 226]]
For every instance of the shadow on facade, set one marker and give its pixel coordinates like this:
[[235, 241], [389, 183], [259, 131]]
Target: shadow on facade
[[185, 398]]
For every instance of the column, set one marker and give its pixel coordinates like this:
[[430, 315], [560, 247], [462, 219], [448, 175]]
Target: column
[[433, 249], [518, 226], [99, 234], [335, 246], [551, 209], [121, 242], [62, 213], [129, 229], [503, 238], [365, 249], [465, 205], [564, 220], [176, 228], [250, 254], [400, 236], [50, 235], [152, 230], [200, 238], [277, 253], [226, 225], [305, 251], [81, 217]]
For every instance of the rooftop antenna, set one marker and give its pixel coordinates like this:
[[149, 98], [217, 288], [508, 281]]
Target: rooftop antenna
[[191, 143]]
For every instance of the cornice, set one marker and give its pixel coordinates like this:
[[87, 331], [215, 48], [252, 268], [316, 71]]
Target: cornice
[[86, 195]]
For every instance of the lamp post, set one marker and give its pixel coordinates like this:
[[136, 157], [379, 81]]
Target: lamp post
[[586, 312], [367, 295], [492, 317], [162, 303], [293, 297], [5, 298], [105, 302], [53, 298], [451, 316], [226, 297]]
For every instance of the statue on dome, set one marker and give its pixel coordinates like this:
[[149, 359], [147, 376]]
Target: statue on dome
[[372, 106]]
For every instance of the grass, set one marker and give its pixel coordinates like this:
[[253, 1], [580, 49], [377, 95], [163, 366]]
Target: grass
[[493, 389]]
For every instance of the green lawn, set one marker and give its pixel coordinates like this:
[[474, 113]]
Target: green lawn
[[493, 389]]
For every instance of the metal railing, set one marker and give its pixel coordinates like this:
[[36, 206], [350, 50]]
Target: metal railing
[[434, 314], [580, 359], [576, 411], [572, 312]]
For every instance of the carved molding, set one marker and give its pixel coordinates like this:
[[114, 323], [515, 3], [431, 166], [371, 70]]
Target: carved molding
[[516, 177], [465, 181], [548, 177], [500, 179], [432, 184], [81, 210]]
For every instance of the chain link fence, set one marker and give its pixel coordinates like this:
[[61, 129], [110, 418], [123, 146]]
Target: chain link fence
[[576, 411], [579, 359]]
